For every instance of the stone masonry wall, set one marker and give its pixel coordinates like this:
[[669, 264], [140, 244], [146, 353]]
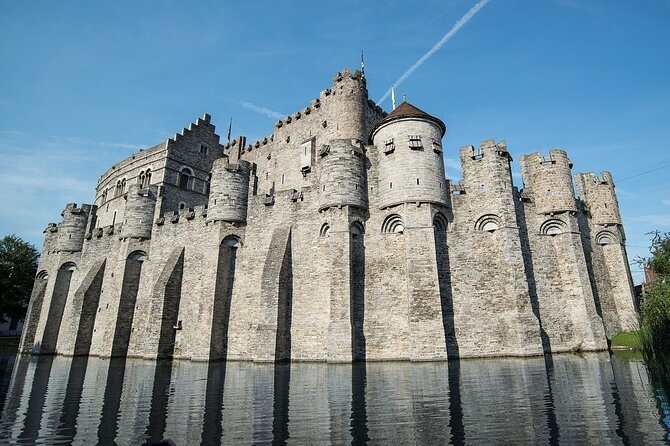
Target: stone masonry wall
[[289, 270]]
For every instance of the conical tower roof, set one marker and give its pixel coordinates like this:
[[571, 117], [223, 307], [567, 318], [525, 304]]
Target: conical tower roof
[[407, 110]]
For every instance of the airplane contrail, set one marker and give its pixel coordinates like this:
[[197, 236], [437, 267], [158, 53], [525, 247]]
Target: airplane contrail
[[465, 19], [261, 110]]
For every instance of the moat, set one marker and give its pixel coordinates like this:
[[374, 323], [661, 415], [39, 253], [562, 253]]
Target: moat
[[560, 399]]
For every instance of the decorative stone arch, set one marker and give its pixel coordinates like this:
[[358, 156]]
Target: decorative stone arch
[[440, 222], [356, 228], [553, 226], [488, 223], [60, 294], [223, 295], [232, 241], [68, 266], [186, 178], [43, 275], [325, 230], [138, 256], [606, 237], [393, 224]]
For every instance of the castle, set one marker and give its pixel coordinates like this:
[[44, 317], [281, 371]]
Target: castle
[[336, 238]]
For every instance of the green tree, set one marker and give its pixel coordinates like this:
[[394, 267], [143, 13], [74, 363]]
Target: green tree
[[18, 265], [655, 317], [660, 254]]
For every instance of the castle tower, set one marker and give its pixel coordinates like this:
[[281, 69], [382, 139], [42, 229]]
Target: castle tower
[[411, 191], [567, 307], [349, 95], [229, 191], [487, 179], [411, 168], [72, 229], [343, 179], [607, 243], [549, 181], [488, 245], [139, 214], [598, 193]]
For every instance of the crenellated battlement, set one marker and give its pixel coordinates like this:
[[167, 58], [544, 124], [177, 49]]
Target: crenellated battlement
[[548, 181], [597, 192], [341, 210], [182, 215]]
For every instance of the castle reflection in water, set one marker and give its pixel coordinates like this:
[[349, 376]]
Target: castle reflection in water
[[566, 399]]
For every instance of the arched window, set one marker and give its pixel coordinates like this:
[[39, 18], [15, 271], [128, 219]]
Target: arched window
[[104, 196], [117, 191], [185, 178], [182, 205], [207, 183], [123, 186], [147, 178], [140, 179]]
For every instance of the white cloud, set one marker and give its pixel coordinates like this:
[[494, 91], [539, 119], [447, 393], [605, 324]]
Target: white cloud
[[655, 219]]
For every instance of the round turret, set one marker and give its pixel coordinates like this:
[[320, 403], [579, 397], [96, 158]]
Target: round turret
[[343, 175], [549, 181], [349, 97], [229, 191], [598, 193], [140, 207], [72, 230], [411, 167]]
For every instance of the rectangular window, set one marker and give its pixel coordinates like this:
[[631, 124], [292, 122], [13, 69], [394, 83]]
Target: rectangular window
[[437, 146], [389, 146], [204, 149], [415, 142]]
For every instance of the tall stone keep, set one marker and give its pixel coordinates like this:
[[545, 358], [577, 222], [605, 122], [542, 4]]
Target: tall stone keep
[[229, 192], [72, 229], [411, 168]]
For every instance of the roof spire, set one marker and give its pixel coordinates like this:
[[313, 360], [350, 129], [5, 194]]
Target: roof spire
[[362, 64]]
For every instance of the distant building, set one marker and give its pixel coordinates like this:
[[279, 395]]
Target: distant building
[[335, 238]]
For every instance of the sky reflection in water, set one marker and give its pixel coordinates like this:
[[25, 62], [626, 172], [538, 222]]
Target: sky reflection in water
[[566, 399]]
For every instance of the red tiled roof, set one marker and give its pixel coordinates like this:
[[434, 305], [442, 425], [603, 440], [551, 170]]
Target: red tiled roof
[[407, 110]]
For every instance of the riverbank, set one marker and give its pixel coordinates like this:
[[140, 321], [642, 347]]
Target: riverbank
[[626, 340]]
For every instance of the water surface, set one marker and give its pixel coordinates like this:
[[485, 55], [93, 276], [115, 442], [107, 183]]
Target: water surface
[[564, 399]]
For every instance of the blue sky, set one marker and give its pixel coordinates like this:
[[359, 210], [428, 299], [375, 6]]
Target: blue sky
[[84, 84]]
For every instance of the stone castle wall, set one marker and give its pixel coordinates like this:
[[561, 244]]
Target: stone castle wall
[[336, 238]]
